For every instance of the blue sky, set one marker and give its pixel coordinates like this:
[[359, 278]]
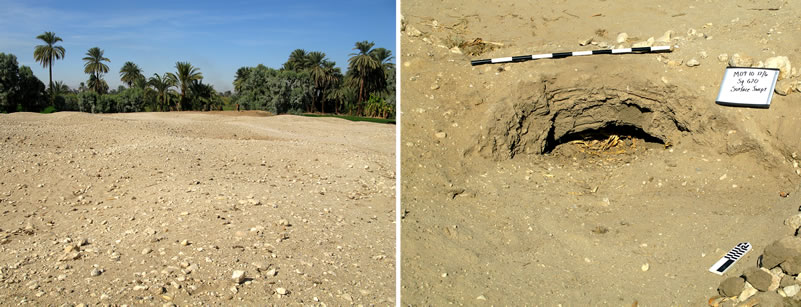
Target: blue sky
[[216, 36]]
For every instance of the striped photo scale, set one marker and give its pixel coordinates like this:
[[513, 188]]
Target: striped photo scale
[[730, 258], [558, 55]]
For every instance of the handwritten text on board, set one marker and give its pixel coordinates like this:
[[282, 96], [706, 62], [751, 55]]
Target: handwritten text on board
[[751, 87]]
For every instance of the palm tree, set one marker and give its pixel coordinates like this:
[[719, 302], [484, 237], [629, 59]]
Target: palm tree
[[129, 73], [316, 61], [184, 75], [202, 94], [162, 86], [94, 65], [98, 85], [297, 60], [45, 54], [362, 64], [59, 88], [383, 56], [241, 76]]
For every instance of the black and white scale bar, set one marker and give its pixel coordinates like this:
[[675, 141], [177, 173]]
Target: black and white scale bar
[[730, 258], [559, 55]]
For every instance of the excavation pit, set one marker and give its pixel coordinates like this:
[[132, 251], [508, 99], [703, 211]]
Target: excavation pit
[[541, 118]]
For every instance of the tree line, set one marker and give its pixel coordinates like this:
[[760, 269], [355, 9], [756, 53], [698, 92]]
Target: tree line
[[308, 82]]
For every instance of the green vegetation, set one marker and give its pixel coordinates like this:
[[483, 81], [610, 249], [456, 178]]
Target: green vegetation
[[308, 82], [355, 118], [20, 90], [49, 109]]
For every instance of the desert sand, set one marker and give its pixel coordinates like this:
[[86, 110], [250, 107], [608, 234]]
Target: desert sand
[[195, 209], [608, 180]]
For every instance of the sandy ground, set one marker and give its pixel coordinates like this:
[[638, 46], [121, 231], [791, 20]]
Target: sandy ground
[[500, 208], [163, 208]]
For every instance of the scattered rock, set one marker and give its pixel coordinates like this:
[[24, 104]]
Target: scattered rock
[[456, 50], [147, 251], [731, 286], [70, 256], [238, 276], [693, 63], [780, 251], [95, 272], [642, 44], [622, 38], [783, 87], [760, 278], [441, 135], [736, 60], [674, 62], [794, 221], [185, 242], [765, 299], [283, 291], [413, 32], [585, 42], [723, 57], [791, 290], [782, 63], [787, 280]]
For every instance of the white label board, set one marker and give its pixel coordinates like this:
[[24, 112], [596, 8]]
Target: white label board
[[747, 87]]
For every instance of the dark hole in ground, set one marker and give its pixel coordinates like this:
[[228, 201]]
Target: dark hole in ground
[[603, 134]]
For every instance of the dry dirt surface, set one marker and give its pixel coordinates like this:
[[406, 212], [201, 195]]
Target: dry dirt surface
[[165, 208], [596, 180]]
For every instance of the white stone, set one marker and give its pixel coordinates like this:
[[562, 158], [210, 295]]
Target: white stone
[[692, 63], [791, 291], [622, 38], [723, 57], [782, 63], [281, 291], [783, 87], [736, 60], [238, 276], [794, 221], [748, 291]]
